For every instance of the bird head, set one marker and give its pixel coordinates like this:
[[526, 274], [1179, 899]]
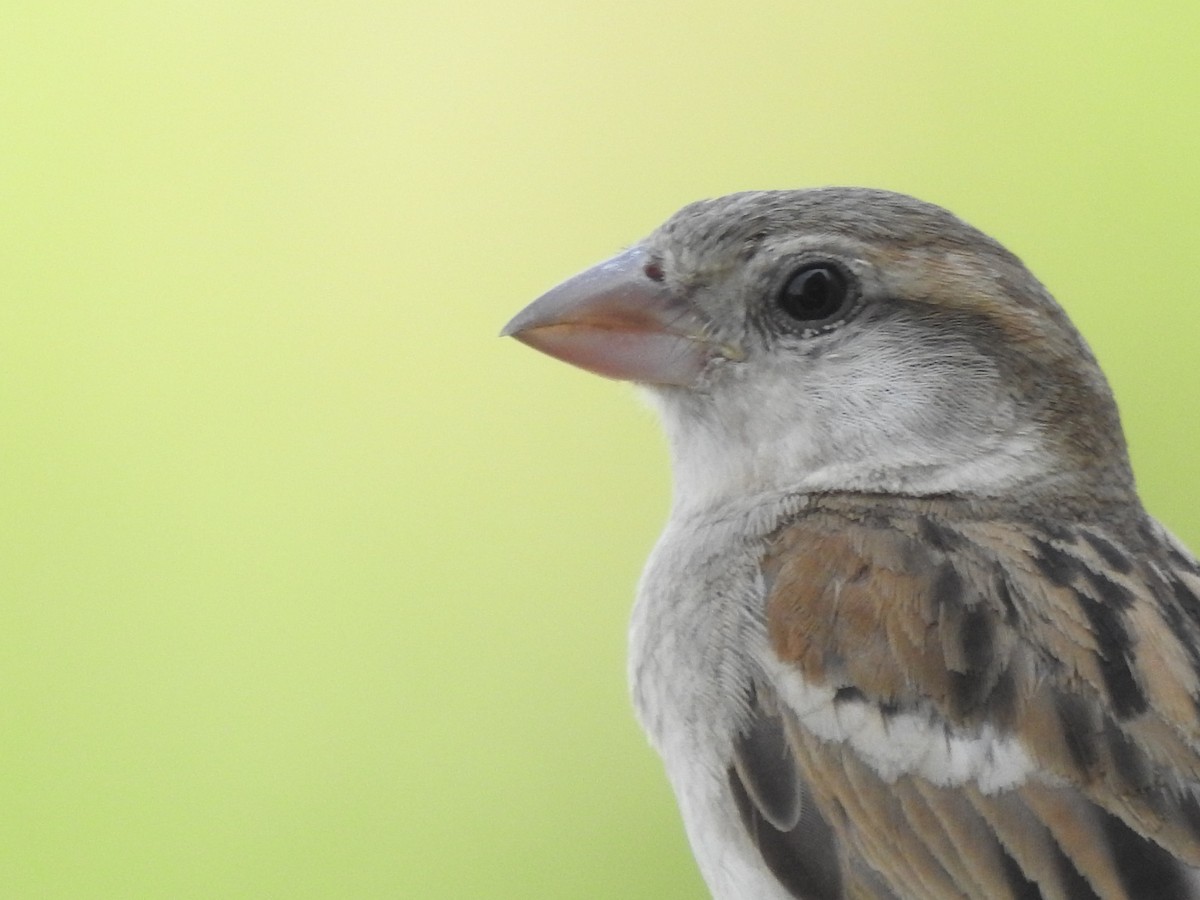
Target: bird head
[[842, 339]]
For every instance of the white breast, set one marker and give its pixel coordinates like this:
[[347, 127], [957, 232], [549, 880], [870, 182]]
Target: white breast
[[695, 639]]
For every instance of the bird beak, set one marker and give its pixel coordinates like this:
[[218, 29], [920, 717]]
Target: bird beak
[[616, 320]]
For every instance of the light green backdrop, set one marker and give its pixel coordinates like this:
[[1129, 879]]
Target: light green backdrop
[[314, 588]]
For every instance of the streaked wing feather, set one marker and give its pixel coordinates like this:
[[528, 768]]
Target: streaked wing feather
[[1078, 646], [1030, 845]]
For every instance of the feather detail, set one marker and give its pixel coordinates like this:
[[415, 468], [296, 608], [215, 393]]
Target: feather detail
[[982, 706], [795, 841]]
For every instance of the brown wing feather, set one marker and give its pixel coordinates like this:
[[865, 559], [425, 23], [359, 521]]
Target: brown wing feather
[[1083, 643]]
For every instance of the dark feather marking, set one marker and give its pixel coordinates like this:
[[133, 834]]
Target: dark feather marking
[[1057, 565], [1110, 553], [969, 689], [804, 859], [1004, 595], [1189, 808], [1114, 648], [938, 535], [1181, 618], [1022, 887], [947, 588], [1148, 532], [967, 692], [1129, 763], [1002, 702], [976, 637], [1146, 869], [1188, 601], [1076, 886], [1183, 561], [764, 764], [1057, 530], [848, 695], [1110, 591], [890, 708], [1078, 730]]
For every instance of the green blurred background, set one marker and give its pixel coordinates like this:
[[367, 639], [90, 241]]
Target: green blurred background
[[313, 587]]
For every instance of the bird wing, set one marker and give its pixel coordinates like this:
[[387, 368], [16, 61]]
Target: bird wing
[[958, 707]]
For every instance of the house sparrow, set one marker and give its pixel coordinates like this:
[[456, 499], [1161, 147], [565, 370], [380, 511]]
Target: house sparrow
[[908, 632]]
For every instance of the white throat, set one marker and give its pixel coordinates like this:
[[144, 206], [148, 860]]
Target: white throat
[[871, 420]]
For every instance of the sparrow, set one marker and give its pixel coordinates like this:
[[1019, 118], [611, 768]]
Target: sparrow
[[908, 632]]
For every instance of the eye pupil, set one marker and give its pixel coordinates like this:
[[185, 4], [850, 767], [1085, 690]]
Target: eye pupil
[[813, 293]]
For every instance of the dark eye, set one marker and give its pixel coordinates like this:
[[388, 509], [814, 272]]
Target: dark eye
[[814, 292]]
